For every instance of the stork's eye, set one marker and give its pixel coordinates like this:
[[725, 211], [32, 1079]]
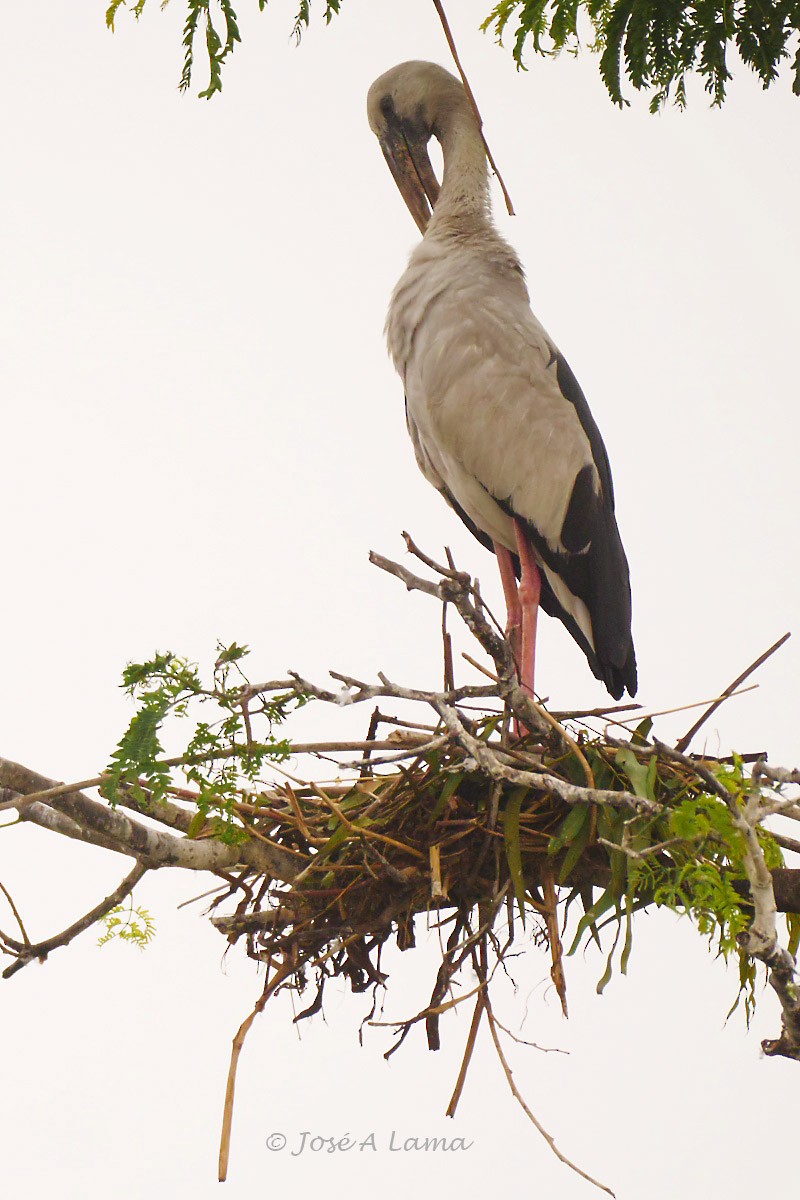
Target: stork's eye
[[387, 106]]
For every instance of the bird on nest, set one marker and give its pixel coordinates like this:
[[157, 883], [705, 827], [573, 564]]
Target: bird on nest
[[498, 421]]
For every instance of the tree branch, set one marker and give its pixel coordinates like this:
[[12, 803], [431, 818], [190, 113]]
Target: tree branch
[[76, 815], [27, 952]]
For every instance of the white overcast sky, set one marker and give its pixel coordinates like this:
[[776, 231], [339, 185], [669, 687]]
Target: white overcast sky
[[203, 438]]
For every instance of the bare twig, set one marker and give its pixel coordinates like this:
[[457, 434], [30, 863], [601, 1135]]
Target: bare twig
[[466, 1058], [568, 741], [642, 715], [553, 936], [774, 774], [639, 855], [480, 963], [448, 572], [685, 741], [17, 917], [270, 987], [525, 1042], [534, 1121], [786, 843], [27, 952], [578, 714], [451, 43]]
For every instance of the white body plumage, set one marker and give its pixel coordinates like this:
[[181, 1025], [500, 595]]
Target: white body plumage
[[499, 423], [484, 408]]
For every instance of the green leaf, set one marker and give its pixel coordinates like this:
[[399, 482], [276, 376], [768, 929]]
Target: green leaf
[[578, 842], [339, 835], [196, 824], [449, 789], [130, 923], [642, 778], [215, 57], [111, 12], [511, 814], [641, 733], [606, 976], [589, 919], [232, 653], [571, 826], [626, 949], [793, 925], [686, 822]]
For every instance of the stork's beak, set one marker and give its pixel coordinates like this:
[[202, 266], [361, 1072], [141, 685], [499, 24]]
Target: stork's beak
[[406, 152]]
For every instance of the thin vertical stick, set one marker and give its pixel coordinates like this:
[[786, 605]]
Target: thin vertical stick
[[467, 1058], [447, 643], [556, 949], [451, 43], [270, 987]]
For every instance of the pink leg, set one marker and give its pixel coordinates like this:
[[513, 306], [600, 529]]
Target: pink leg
[[530, 588], [505, 561]]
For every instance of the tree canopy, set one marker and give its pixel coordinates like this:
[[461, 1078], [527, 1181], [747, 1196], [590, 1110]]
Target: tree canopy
[[650, 45]]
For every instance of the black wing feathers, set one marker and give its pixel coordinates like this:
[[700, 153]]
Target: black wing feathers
[[571, 390], [592, 564], [576, 532]]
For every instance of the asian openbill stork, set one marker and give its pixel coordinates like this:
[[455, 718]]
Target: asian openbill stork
[[498, 421]]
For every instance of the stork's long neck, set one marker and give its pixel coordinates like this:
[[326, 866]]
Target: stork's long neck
[[463, 203]]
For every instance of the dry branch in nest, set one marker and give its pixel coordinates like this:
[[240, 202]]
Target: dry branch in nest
[[442, 813]]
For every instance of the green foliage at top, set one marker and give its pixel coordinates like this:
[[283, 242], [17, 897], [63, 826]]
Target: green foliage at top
[[654, 45], [221, 753], [220, 38]]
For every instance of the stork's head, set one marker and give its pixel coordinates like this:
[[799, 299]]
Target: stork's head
[[406, 107]]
